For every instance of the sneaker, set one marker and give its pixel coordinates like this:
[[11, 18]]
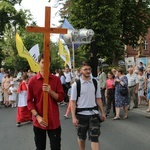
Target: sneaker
[[63, 104], [65, 116], [107, 115], [18, 124]]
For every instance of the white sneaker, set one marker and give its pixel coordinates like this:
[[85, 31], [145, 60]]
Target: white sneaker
[[18, 124], [65, 116], [63, 104]]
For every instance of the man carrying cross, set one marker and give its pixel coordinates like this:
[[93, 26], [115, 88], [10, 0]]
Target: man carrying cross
[[44, 91], [35, 104]]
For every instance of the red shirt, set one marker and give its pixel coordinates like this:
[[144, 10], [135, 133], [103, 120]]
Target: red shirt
[[35, 99]]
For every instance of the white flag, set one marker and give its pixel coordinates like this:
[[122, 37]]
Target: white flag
[[34, 52]]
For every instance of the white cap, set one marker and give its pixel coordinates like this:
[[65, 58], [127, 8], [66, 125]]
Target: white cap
[[12, 82]]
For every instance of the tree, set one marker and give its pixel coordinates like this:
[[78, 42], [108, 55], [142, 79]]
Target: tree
[[8, 14], [135, 20], [115, 22]]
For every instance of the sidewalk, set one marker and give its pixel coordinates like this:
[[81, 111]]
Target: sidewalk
[[142, 110]]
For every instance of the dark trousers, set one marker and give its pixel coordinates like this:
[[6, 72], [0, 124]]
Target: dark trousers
[[67, 86], [2, 102], [110, 100], [54, 137], [103, 96]]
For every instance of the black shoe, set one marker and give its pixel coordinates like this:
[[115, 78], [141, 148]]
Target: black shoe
[[135, 107]]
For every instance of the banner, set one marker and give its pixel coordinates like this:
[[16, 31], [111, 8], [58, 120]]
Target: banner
[[64, 53], [129, 62], [141, 59], [34, 52], [23, 52]]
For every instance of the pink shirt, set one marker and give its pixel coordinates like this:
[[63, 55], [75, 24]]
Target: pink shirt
[[110, 84]]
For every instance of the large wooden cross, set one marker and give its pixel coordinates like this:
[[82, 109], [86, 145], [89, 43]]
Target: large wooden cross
[[46, 30]]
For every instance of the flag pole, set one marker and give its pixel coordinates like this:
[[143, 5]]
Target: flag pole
[[73, 56]]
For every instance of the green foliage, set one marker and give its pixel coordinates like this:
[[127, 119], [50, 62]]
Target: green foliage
[[97, 15], [13, 2], [6, 12], [115, 23], [12, 21], [135, 19], [56, 61]]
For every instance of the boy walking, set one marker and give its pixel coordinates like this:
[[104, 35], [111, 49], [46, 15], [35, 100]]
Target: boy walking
[[35, 105], [85, 109]]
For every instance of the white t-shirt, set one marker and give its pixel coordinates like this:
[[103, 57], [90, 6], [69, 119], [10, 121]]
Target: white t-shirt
[[68, 76], [132, 79], [62, 79], [87, 96]]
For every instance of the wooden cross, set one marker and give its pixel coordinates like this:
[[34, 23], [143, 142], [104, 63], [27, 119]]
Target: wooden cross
[[46, 30]]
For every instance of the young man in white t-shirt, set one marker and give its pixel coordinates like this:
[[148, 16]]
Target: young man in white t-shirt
[[85, 110], [68, 77]]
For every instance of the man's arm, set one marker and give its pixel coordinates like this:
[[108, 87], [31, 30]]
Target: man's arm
[[73, 112], [137, 84], [100, 105], [74, 103]]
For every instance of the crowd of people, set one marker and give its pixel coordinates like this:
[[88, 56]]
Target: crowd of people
[[85, 97]]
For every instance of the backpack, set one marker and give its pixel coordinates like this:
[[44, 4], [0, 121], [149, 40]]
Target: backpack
[[78, 83]]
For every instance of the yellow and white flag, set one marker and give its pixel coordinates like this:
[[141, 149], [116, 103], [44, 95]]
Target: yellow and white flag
[[64, 53], [23, 52]]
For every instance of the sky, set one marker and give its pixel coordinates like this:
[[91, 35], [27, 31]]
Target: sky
[[37, 9]]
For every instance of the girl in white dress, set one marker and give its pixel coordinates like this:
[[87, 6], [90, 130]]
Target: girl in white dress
[[12, 94], [23, 114]]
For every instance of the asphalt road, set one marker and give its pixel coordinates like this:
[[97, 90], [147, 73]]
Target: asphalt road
[[130, 134]]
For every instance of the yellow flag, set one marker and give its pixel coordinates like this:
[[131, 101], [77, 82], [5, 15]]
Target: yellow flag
[[64, 53], [23, 52]]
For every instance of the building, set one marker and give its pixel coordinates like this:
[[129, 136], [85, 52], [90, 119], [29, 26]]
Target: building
[[133, 52]]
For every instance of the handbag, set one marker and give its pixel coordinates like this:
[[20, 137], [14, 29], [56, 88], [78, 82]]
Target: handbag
[[124, 91]]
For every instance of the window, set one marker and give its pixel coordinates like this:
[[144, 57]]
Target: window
[[145, 45], [134, 47]]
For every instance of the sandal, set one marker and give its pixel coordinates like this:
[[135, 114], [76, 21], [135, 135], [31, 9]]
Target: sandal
[[116, 118], [148, 110], [125, 117]]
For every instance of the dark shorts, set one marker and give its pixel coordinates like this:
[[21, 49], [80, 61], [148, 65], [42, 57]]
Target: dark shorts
[[89, 124]]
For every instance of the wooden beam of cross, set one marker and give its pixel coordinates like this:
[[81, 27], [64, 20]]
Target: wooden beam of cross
[[46, 30]]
